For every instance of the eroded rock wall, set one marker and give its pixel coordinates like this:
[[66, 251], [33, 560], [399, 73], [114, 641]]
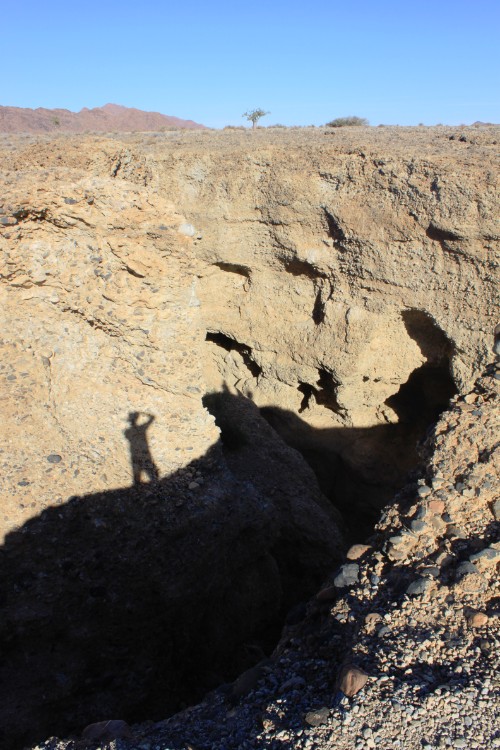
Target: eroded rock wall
[[100, 321], [330, 246], [347, 289], [353, 282], [142, 561]]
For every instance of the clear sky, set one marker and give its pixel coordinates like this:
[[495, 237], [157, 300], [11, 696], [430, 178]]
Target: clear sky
[[393, 61]]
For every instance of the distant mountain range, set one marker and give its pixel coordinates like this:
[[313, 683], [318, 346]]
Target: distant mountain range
[[111, 117]]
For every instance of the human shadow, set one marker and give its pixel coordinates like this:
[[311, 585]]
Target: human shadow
[[141, 459], [133, 603]]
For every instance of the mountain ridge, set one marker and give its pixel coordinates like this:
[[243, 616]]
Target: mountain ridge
[[108, 118]]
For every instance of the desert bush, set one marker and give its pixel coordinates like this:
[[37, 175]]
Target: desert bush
[[341, 122], [278, 125], [234, 127], [254, 115]]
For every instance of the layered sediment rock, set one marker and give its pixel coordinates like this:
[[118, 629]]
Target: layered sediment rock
[[351, 279], [140, 566]]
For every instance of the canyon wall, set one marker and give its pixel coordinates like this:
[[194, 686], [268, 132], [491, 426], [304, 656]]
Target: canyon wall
[[351, 279], [185, 319]]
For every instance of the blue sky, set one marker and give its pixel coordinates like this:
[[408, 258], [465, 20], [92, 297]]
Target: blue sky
[[401, 62]]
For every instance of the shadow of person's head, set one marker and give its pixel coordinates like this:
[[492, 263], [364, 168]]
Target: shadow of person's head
[[133, 416]]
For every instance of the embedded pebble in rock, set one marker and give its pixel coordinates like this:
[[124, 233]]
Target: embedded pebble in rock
[[187, 230], [372, 619]]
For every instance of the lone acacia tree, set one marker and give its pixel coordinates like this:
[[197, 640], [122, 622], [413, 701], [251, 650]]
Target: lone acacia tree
[[253, 115]]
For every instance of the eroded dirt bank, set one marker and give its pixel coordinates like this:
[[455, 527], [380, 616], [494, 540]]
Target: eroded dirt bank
[[184, 313]]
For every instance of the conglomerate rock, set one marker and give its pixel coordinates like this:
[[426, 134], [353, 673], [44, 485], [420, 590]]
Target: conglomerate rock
[[136, 565]]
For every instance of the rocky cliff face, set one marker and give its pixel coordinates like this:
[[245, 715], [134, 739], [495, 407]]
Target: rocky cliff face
[[349, 279], [186, 318], [123, 521]]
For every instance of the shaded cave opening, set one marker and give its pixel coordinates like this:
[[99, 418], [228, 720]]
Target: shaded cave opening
[[361, 469], [230, 344], [324, 393], [424, 396]]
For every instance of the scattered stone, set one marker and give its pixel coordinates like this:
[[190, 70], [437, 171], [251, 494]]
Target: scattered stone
[[418, 527], [431, 570], [352, 679], [496, 341], [438, 524], [466, 568], [372, 619], [54, 458], [104, 731], [318, 717], [249, 679], [419, 587], [347, 575], [496, 510], [476, 619], [488, 556], [436, 506], [454, 532], [357, 551], [424, 491]]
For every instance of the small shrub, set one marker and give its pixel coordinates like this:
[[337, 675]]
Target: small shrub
[[234, 127], [341, 122], [278, 125]]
